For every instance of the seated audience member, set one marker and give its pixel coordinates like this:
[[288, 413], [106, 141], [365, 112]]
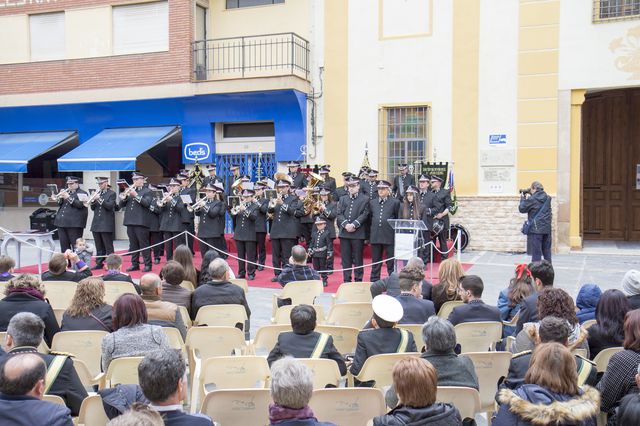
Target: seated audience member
[[384, 337], [416, 383], [391, 286], [297, 269], [159, 312], [474, 309], [24, 335], [208, 257], [25, 293], [291, 390], [114, 271], [608, 331], [543, 275], [172, 274], [551, 394], [416, 310], [132, 335], [138, 415], [163, 379], [88, 310], [182, 254], [551, 329], [22, 385], [586, 302], [510, 298], [553, 302], [6, 267], [218, 291], [58, 268], [629, 411], [620, 377], [453, 370], [631, 288], [304, 342], [449, 276]]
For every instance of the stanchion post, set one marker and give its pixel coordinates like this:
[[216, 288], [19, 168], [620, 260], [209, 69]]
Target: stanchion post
[[431, 262], [458, 245]]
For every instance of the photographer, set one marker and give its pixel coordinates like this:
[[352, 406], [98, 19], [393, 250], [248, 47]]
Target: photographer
[[537, 204]]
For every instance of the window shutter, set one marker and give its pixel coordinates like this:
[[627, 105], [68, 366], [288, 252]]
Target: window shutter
[[141, 28], [47, 36]]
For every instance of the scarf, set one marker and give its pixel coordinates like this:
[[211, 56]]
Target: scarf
[[28, 290], [278, 413]]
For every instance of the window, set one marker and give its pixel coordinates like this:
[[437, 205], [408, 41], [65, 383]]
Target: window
[[47, 36], [248, 130], [234, 4], [614, 10], [403, 138], [141, 28]]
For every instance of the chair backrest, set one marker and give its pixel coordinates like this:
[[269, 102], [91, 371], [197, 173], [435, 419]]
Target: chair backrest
[[92, 412], [302, 292], [490, 367], [60, 293], [348, 406], [59, 313], [603, 357], [447, 307], [233, 407], [588, 324], [84, 345], [53, 398], [353, 292], [379, 367], [3, 287], [188, 285], [580, 351], [241, 282], [184, 313], [221, 315], [42, 348], [175, 339], [114, 289], [267, 336], [350, 314], [416, 330], [344, 338], [123, 371], [207, 342], [513, 321], [478, 336], [234, 372], [466, 400], [283, 314], [87, 378], [325, 372]]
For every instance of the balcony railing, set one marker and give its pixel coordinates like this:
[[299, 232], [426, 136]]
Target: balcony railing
[[251, 56]]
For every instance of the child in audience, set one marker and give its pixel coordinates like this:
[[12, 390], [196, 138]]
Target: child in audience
[[84, 250]]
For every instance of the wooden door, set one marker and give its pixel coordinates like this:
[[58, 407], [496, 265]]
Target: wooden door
[[633, 194]]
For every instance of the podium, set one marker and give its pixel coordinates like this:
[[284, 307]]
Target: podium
[[407, 238]]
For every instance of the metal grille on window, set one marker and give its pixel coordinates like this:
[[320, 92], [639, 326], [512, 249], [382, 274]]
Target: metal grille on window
[[615, 10]]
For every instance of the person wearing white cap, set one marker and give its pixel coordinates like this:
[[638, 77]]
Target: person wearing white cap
[[103, 225], [383, 338], [631, 288], [298, 179], [71, 217]]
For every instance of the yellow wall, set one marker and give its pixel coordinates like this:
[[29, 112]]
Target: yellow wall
[[14, 39], [575, 187], [88, 32]]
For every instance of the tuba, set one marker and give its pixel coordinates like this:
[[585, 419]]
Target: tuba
[[310, 202]]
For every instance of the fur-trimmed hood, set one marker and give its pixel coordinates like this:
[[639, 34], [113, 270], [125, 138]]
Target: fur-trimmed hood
[[577, 337], [539, 406]]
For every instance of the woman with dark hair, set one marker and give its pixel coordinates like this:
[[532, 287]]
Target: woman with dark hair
[[205, 276], [132, 335], [182, 254], [88, 311], [629, 411], [619, 378], [411, 208], [510, 298], [608, 331], [550, 395]]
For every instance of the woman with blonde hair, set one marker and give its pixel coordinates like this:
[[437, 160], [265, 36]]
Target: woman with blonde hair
[[449, 275], [88, 310]]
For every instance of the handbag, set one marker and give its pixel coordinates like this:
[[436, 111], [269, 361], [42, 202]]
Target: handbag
[[526, 226]]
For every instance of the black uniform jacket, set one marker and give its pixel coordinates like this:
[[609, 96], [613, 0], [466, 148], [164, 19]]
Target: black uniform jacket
[[353, 210], [302, 346], [285, 223], [321, 244], [261, 218], [299, 181], [193, 193], [173, 215], [329, 214], [245, 229], [406, 181], [376, 341], [212, 219], [104, 208], [381, 211], [136, 209], [370, 188], [72, 212]]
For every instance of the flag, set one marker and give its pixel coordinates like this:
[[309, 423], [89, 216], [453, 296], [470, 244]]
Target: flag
[[454, 198]]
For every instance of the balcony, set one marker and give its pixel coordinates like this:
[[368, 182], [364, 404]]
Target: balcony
[[268, 55]]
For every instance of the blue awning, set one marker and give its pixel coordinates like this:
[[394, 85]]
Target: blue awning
[[17, 149], [114, 149]]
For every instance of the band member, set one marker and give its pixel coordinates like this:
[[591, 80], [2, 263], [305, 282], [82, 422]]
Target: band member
[[245, 234], [342, 190], [135, 202], [213, 177], [411, 208], [212, 213], [428, 200], [193, 193], [328, 209], [284, 229], [103, 225], [298, 180], [306, 218], [174, 216], [155, 235], [444, 202], [234, 176], [370, 184], [353, 211], [71, 217], [328, 181], [402, 181], [382, 235], [261, 223], [424, 191], [320, 248]]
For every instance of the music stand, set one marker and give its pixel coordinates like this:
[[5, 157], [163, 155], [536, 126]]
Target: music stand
[[407, 233]]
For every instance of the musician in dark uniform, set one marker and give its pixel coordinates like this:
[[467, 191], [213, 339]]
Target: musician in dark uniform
[[245, 234], [173, 217], [298, 180], [370, 184], [306, 218], [284, 229], [443, 198], [353, 211], [328, 210], [402, 181], [261, 223], [382, 236], [320, 247], [135, 203], [193, 194], [424, 191], [234, 176], [212, 213], [213, 177], [155, 235], [71, 217], [342, 190], [327, 181], [103, 225]]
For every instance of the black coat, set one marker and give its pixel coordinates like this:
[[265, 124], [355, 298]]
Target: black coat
[[89, 322], [136, 210], [285, 223], [193, 193], [391, 286], [339, 193], [302, 346], [416, 311], [321, 244], [30, 411], [378, 341], [531, 205], [211, 180], [245, 229], [66, 276], [474, 311], [353, 210], [370, 188], [299, 181], [212, 217], [261, 218], [600, 340], [23, 302], [104, 208], [154, 217], [329, 214], [406, 181], [218, 293], [528, 311], [180, 418], [173, 215], [438, 414], [381, 212], [72, 213], [330, 184], [634, 301]]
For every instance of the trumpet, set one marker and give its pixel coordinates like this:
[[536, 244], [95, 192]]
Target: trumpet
[[161, 202], [57, 196], [274, 201], [238, 208], [198, 205], [124, 194], [92, 199]]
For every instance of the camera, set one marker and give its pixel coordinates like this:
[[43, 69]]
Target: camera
[[525, 191]]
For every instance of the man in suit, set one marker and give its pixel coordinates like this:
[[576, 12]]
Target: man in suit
[[185, 189], [244, 233], [162, 376], [443, 201], [474, 309], [114, 273], [174, 217], [135, 202], [261, 223], [71, 217], [382, 236], [298, 180], [328, 182], [24, 334], [416, 309], [212, 216], [213, 177], [321, 248], [353, 211], [103, 225], [402, 181], [284, 230], [543, 276]]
